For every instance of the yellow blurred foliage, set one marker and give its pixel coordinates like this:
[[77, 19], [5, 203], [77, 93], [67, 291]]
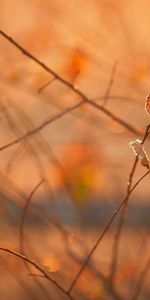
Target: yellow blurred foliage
[[81, 171]]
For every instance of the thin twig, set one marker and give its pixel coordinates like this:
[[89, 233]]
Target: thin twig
[[21, 234], [18, 279], [117, 239], [41, 126], [111, 291], [46, 84], [114, 117], [21, 230], [70, 86], [39, 268], [21, 239], [110, 84], [60, 115], [104, 232], [115, 251], [16, 130]]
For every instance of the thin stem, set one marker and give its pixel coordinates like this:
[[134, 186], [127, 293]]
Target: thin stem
[[46, 84], [21, 231], [21, 234], [39, 268], [18, 279], [70, 85], [41, 126], [104, 232], [117, 239], [110, 83]]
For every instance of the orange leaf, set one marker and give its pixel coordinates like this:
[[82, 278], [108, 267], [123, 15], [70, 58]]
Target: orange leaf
[[76, 64], [51, 263]]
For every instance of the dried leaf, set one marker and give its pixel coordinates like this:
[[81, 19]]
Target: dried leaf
[[76, 64], [138, 148]]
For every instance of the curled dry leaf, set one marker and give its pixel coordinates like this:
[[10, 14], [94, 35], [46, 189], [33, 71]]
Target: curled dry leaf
[[139, 150]]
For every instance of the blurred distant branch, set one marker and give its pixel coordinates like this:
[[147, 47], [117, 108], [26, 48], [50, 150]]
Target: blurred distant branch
[[18, 279], [115, 118], [41, 126], [21, 235], [60, 115], [110, 84], [141, 280], [21, 231], [46, 84], [125, 98], [115, 251], [38, 163]]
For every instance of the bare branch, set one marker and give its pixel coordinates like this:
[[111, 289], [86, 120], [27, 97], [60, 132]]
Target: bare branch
[[46, 84], [110, 83], [21, 235], [113, 117], [104, 232], [39, 268], [43, 125], [18, 279], [60, 115], [70, 86], [21, 231], [115, 253]]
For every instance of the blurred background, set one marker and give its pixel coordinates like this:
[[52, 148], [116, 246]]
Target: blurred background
[[83, 156]]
